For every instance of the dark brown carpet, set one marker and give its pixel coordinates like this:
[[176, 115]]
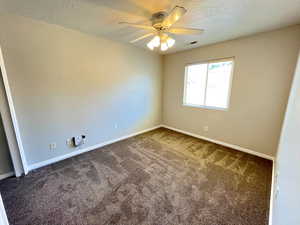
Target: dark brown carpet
[[160, 177]]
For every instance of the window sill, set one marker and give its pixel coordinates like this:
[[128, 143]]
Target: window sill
[[205, 107]]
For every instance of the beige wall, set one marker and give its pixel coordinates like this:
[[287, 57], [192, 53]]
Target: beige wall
[[67, 83], [264, 66]]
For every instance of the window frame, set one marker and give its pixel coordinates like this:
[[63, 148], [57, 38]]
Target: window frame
[[229, 89]]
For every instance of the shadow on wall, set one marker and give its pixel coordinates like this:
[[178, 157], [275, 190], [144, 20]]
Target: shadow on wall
[[127, 106], [131, 105], [5, 160]]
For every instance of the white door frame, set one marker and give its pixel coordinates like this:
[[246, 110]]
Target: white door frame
[[3, 217], [11, 126]]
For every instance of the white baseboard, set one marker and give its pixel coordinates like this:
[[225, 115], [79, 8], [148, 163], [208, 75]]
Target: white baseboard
[[236, 147], [6, 175], [59, 158]]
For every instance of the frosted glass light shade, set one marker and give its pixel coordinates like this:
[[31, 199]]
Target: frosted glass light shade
[[170, 42], [156, 41], [164, 46], [150, 45]]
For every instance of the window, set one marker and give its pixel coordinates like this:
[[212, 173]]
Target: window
[[207, 84]]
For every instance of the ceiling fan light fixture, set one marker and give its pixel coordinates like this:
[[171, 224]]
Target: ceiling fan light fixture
[[170, 42], [161, 25]]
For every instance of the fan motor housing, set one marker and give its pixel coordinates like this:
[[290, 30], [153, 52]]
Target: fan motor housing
[[157, 19]]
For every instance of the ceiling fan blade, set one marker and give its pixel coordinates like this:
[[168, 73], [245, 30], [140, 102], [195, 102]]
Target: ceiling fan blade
[[142, 37], [178, 30], [176, 13], [145, 27]]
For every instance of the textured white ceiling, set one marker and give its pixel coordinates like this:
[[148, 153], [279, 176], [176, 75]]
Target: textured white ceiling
[[221, 19]]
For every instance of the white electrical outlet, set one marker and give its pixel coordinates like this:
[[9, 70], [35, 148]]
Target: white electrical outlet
[[52, 145], [205, 128], [116, 125]]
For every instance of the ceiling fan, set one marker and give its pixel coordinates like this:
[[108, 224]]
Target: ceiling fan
[[162, 26]]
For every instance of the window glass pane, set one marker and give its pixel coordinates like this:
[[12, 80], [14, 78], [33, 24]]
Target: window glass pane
[[195, 84], [218, 84]]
